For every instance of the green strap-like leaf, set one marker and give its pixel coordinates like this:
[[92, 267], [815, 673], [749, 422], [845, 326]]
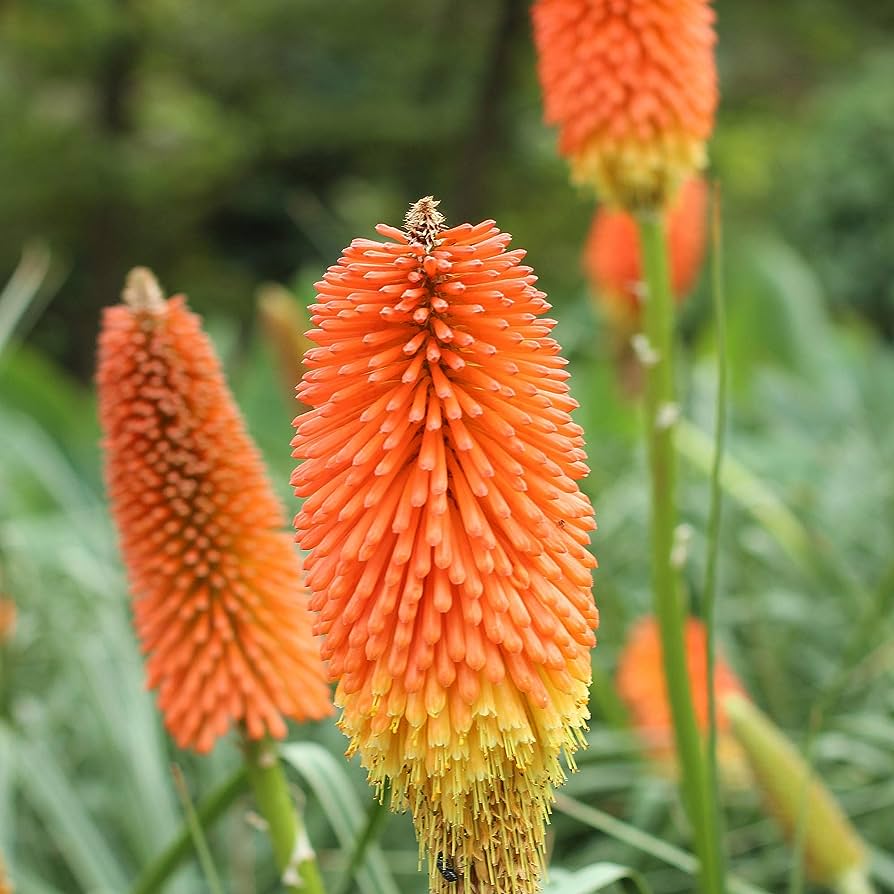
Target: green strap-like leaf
[[70, 828], [643, 841], [749, 491], [595, 878], [330, 784]]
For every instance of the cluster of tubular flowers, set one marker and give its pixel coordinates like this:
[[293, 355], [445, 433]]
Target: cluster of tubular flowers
[[447, 538], [612, 255], [220, 607], [642, 687], [632, 86]]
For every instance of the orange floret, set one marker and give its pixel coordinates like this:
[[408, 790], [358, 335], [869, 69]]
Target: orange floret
[[632, 86], [447, 538], [220, 607]]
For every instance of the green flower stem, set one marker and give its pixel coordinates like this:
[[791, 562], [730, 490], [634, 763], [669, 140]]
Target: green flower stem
[[200, 843], [661, 414], [208, 811], [709, 591], [292, 852]]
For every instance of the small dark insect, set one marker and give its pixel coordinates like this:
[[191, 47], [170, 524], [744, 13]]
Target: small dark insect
[[561, 522], [447, 868]]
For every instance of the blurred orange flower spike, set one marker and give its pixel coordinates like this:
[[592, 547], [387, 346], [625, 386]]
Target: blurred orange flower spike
[[219, 603]]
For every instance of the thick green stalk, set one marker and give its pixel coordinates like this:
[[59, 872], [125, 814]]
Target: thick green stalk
[[661, 411], [292, 851], [709, 593]]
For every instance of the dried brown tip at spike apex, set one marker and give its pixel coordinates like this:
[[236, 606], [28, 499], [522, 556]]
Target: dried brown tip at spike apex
[[423, 222], [142, 291]]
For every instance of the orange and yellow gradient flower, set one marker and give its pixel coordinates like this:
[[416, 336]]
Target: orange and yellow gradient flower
[[220, 607], [632, 85], [642, 687], [613, 263], [447, 538]]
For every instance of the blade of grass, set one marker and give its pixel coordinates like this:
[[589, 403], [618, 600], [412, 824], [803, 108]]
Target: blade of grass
[[596, 878], [26, 881], [72, 831], [875, 613], [126, 729], [7, 779], [812, 556], [709, 590], [208, 811], [748, 491], [376, 816], [881, 866], [22, 289], [332, 788], [195, 830], [644, 842]]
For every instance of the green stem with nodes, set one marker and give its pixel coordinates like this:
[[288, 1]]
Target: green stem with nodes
[[661, 412], [709, 591], [292, 852]]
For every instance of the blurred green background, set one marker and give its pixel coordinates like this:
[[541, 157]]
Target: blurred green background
[[227, 145]]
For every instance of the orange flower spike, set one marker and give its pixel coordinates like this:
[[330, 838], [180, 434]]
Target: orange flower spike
[[447, 538], [612, 255], [641, 685], [632, 85], [219, 604]]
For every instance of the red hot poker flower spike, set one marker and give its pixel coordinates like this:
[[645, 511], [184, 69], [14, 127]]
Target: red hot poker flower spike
[[219, 603], [447, 538], [632, 85]]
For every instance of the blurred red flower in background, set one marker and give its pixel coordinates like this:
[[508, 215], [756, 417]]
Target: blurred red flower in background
[[642, 687], [632, 86], [613, 263]]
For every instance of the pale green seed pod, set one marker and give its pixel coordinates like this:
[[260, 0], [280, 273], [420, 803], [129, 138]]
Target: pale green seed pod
[[833, 851]]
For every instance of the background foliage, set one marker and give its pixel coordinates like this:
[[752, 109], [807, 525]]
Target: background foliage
[[229, 146]]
